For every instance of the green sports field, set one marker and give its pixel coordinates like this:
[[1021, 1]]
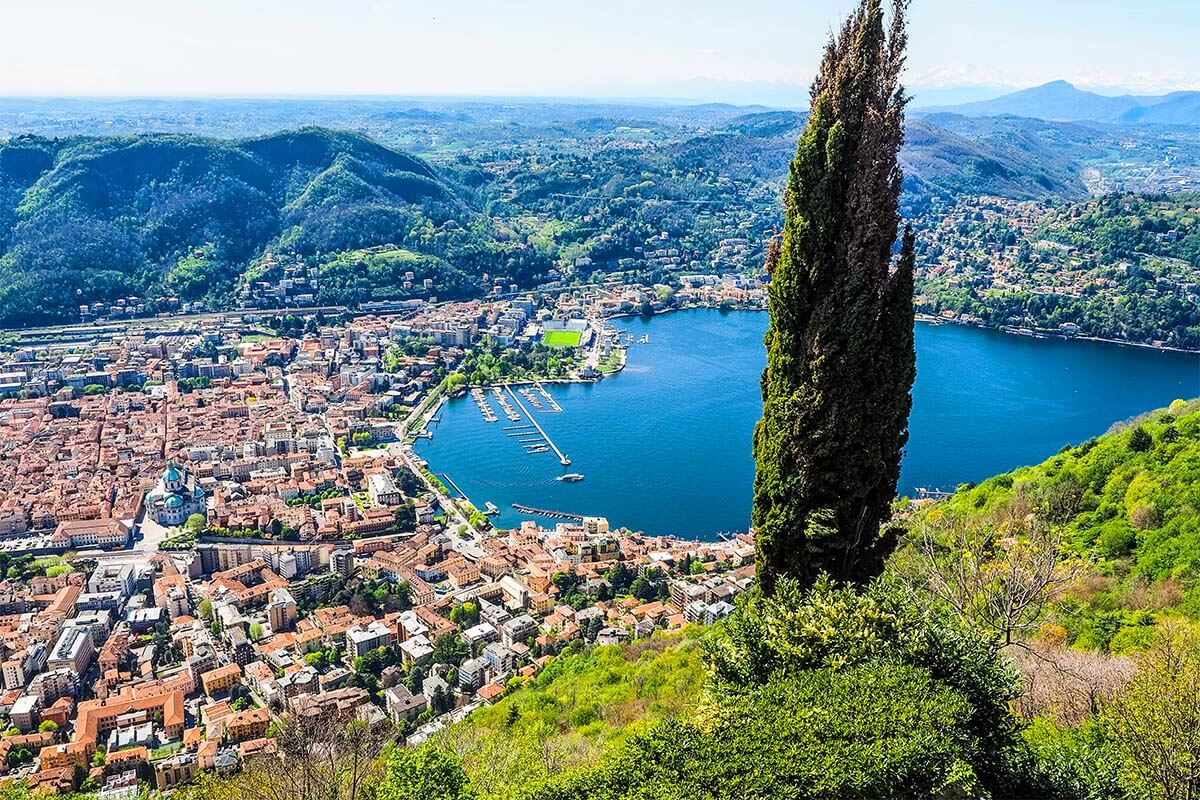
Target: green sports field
[[561, 338]]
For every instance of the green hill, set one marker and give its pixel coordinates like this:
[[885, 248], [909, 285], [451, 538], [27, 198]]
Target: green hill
[[579, 707], [1129, 503], [95, 219]]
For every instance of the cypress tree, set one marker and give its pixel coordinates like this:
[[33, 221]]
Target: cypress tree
[[840, 359]]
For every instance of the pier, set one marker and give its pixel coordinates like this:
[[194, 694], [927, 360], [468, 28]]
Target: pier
[[562, 459], [512, 415], [481, 401], [545, 512], [531, 398], [454, 486], [551, 403]]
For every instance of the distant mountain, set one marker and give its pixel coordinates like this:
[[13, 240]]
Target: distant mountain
[[946, 156], [1062, 102]]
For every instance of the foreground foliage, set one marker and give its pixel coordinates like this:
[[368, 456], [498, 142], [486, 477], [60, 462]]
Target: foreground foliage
[[831, 693], [578, 707]]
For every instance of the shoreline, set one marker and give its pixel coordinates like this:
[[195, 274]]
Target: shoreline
[[930, 319]]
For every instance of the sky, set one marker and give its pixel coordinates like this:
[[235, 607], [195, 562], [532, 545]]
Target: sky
[[728, 50]]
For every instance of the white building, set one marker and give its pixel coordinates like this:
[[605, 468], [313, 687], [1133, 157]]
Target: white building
[[360, 641]]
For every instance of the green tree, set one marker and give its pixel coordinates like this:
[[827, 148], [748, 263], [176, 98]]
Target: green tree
[[423, 774], [840, 358], [1155, 722], [1139, 440], [450, 649], [196, 523], [465, 615]]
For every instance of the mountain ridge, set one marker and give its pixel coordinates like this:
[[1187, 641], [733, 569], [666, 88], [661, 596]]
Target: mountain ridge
[[1061, 101]]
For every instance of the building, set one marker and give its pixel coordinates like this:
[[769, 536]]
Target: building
[[95, 719], [360, 641], [82, 533], [417, 650], [220, 679], [499, 657], [281, 611], [176, 497], [382, 490], [472, 673], [24, 714], [172, 772], [249, 724], [402, 705], [176, 601], [518, 629], [119, 578], [73, 650]]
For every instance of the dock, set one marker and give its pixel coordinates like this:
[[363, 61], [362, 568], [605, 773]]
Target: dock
[[512, 415], [454, 486], [481, 401], [551, 403], [545, 512], [562, 459], [531, 398]]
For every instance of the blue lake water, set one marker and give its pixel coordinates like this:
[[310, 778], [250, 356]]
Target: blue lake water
[[665, 445]]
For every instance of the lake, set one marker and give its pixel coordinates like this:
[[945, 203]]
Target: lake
[[665, 445]]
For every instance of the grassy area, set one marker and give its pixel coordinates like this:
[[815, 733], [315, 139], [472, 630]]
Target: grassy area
[[562, 338], [165, 750], [614, 362], [251, 338], [578, 707]]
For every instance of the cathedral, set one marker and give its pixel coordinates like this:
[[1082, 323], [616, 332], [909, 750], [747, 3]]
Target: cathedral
[[176, 497]]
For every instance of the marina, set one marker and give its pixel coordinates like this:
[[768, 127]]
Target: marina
[[508, 410], [562, 458], [551, 403], [531, 398]]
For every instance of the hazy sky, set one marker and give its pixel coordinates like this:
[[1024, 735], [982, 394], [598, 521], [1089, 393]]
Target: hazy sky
[[575, 47]]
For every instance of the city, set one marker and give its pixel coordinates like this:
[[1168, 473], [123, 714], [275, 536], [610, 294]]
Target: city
[[206, 526]]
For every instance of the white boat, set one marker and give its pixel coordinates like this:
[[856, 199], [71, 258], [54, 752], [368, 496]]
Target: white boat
[[570, 477]]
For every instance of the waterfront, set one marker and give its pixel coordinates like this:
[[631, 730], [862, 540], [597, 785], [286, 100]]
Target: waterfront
[[665, 444]]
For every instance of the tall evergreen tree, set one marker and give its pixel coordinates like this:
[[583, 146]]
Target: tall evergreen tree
[[840, 358]]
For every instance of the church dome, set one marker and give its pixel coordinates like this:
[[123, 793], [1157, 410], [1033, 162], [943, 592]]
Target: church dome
[[174, 501]]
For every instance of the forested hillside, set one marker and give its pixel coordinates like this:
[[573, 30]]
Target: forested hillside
[[1123, 266], [95, 219], [1126, 508]]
